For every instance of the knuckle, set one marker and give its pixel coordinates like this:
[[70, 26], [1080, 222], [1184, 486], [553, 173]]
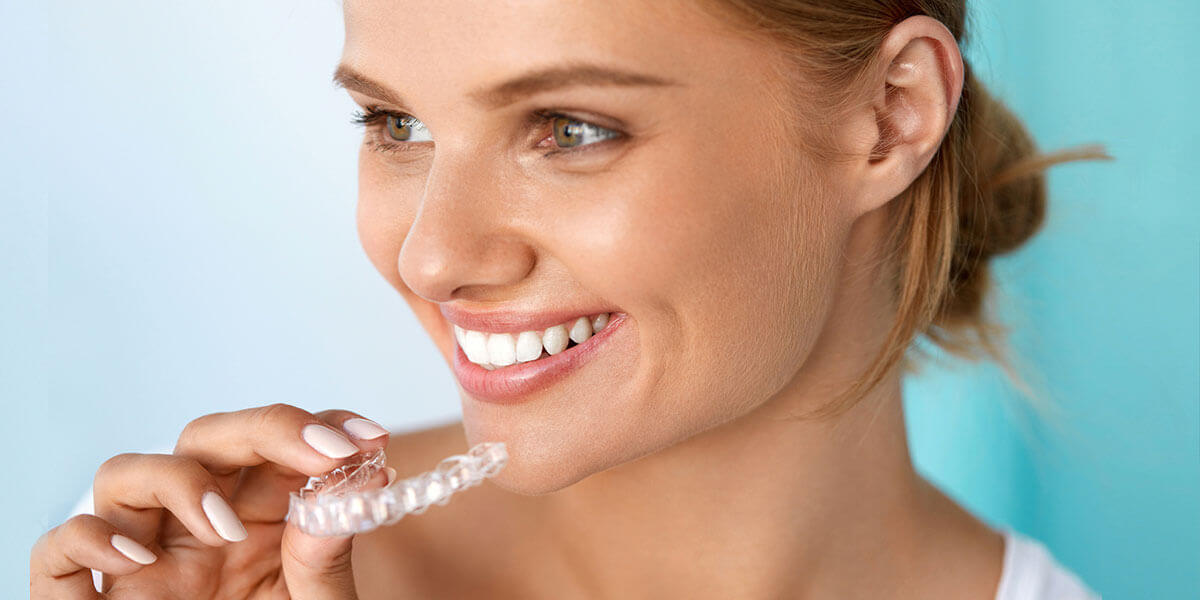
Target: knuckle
[[334, 414], [42, 549], [65, 540], [185, 471], [323, 567], [187, 437], [112, 466], [273, 415], [78, 526], [40, 546], [170, 478]]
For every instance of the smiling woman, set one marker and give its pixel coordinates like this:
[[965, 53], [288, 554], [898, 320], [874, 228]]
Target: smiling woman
[[676, 254]]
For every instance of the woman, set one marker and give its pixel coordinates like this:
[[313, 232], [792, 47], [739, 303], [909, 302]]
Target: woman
[[675, 253]]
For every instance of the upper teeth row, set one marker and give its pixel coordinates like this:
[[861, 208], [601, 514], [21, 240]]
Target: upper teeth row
[[491, 350]]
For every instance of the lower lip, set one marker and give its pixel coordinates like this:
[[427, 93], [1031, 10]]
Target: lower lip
[[516, 383]]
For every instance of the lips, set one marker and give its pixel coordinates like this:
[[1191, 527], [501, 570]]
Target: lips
[[517, 383], [513, 321]]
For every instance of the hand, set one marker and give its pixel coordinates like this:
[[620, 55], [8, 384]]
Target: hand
[[222, 533]]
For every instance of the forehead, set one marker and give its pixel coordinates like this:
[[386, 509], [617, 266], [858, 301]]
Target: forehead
[[466, 44]]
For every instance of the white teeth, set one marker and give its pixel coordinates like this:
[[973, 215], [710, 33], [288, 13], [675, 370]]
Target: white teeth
[[498, 350], [555, 339], [581, 330], [529, 346], [599, 321], [474, 345], [501, 349]]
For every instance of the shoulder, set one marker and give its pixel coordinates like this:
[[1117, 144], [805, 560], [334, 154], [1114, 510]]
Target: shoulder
[[1031, 573], [446, 551]]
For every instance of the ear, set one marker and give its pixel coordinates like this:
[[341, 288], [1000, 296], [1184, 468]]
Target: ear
[[914, 92]]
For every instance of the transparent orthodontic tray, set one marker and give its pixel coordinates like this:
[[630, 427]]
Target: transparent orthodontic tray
[[333, 504]]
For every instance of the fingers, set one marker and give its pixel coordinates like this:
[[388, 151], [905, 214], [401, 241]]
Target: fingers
[[320, 567], [279, 433], [262, 493], [360, 429], [131, 489], [317, 568], [283, 444], [60, 563]]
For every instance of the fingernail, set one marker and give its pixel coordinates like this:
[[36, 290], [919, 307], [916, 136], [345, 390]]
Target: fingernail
[[364, 429], [222, 517], [391, 475], [328, 442], [132, 550]]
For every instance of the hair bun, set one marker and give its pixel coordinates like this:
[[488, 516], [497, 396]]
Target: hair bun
[[1002, 195]]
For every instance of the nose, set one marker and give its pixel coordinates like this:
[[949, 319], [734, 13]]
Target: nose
[[463, 241]]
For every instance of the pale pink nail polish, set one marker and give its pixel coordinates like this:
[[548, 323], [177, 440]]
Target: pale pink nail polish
[[132, 550], [222, 517], [328, 442], [364, 429]]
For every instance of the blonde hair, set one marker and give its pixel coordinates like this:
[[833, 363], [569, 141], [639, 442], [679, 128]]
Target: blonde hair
[[983, 193]]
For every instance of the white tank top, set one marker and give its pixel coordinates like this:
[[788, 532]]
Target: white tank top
[[1031, 573]]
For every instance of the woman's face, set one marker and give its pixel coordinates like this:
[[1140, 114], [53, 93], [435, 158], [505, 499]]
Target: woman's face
[[699, 222]]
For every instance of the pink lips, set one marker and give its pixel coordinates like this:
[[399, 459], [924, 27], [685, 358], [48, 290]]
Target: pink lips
[[516, 383]]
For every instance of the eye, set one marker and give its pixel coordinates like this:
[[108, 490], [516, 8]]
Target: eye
[[402, 128], [572, 133], [391, 132]]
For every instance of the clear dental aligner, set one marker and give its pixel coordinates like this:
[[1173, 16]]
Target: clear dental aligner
[[333, 504]]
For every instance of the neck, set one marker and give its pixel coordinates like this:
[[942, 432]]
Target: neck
[[763, 505], [769, 505]]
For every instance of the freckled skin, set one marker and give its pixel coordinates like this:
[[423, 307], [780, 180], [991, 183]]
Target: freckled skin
[[744, 266], [678, 228]]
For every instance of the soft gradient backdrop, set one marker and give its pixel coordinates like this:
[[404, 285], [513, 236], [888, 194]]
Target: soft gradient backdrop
[[177, 235]]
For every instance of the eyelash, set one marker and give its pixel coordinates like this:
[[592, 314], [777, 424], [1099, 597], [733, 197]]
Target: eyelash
[[375, 119]]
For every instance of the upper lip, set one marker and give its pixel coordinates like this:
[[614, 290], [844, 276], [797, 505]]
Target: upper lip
[[513, 321]]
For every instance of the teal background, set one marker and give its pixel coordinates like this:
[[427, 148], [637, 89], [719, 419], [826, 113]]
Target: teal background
[[177, 188]]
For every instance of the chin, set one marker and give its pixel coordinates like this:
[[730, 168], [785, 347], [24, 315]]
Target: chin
[[535, 465], [519, 478]]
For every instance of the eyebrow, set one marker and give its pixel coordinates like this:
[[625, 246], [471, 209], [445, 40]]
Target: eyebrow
[[526, 84]]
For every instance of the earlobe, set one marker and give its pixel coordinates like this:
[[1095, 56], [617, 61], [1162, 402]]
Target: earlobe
[[918, 89]]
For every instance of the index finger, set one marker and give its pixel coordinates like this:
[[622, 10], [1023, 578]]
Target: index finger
[[262, 492], [282, 434]]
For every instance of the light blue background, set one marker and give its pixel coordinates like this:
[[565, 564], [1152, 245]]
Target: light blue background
[[177, 235]]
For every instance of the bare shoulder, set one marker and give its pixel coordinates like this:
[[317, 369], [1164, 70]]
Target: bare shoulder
[[958, 537], [447, 551]]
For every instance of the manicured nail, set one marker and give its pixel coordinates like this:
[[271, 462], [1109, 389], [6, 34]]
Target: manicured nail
[[391, 475], [132, 550], [222, 517], [328, 442], [364, 429]]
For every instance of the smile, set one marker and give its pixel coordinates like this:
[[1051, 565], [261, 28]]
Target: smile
[[498, 350], [507, 367]]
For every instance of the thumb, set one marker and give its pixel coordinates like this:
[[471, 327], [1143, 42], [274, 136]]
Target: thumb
[[317, 568]]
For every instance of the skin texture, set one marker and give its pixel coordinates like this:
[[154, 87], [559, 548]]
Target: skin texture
[[667, 466], [247, 460]]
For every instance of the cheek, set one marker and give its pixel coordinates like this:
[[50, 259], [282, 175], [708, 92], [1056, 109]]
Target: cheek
[[386, 209], [740, 274]]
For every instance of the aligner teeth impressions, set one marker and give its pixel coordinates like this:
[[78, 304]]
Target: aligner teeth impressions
[[333, 505], [499, 350]]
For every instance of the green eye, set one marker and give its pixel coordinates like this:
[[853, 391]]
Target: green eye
[[398, 129], [569, 133], [406, 128]]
